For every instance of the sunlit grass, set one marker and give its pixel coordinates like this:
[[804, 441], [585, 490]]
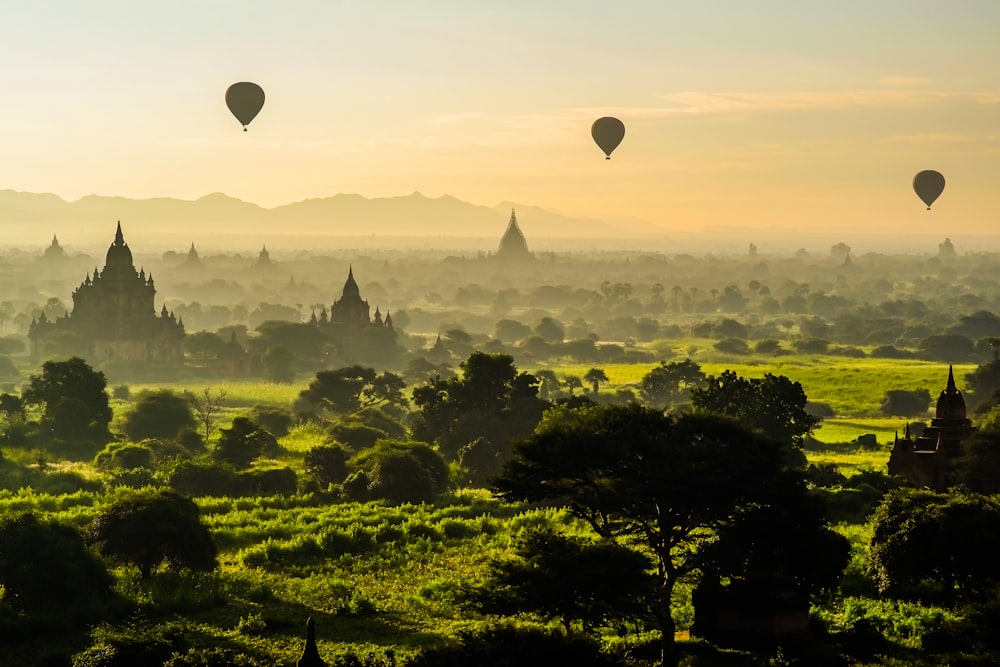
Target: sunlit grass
[[851, 387]]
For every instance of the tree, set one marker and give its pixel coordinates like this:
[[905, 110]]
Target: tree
[[242, 442], [278, 364], [633, 473], [551, 331], [399, 472], [925, 543], [327, 464], [572, 382], [150, 528], [978, 467], [338, 390], [207, 406], [46, 565], [511, 330], [669, 384], [569, 579], [904, 403], [491, 400], [773, 404], [595, 376], [159, 413], [204, 345], [74, 401]]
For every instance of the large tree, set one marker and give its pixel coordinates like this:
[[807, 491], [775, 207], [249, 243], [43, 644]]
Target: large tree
[[669, 384], [773, 404], [668, 482], [491, 403], [74, 402], [936, 543], [346, 390], [150, 528]]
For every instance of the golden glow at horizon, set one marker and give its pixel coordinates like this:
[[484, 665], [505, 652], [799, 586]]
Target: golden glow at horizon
[[767, 114]]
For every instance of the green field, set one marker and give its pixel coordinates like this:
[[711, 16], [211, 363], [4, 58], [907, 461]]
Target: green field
[[851, 387]]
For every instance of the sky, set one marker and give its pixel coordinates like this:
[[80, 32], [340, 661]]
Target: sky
[[743, 114]]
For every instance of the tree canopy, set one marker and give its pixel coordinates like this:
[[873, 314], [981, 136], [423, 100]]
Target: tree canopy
[[773, 404], [73, 398], [630, 472], [150, 528], [935, 544], [159, 413], [491, 401]]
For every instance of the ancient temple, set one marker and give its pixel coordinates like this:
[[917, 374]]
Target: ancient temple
[[926, 461], [113, 318], [355, 333], [513, 246], [54, 251]]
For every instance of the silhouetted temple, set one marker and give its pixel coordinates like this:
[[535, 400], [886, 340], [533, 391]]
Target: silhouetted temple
[[513, 246], [113, 318], [927, 460], [351, 326], [54, 251]]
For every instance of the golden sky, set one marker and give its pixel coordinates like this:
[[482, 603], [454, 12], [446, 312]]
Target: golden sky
[[797, 114]]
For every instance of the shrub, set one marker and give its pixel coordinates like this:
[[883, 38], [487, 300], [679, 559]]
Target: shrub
[[45, 566], [904, 403], [327, 464], [732, 346], [117, 455], [272, 419], [193, 478], [274, 481]]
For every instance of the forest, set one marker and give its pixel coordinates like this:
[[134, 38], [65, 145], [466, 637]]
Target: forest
[[597, 457]]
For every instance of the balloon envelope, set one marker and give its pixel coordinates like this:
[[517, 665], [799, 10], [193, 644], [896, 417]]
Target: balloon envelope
[[928, 185], [608, 132], [245, 101]]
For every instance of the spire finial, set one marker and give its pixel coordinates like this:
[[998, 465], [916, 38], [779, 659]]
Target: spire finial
[[951, 380], [119, 237], [310, 654]]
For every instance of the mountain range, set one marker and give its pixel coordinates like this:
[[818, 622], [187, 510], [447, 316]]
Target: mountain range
[[28, 217]]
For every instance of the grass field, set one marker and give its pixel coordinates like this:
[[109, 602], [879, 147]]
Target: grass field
[[853, 388]]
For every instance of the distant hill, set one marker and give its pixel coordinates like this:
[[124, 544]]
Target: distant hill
[[29, 217]]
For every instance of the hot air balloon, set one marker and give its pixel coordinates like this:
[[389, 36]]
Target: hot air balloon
[[928, 185], [245, 100], [607, 132]]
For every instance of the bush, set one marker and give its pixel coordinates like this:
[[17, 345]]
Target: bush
[[903, 403], [193, 478], [158, 414], [45, 566], [732, 346], [272, 419], [272, 482], [811, 346], [891, 352], [400, 472], [327, 464], [119, 455], [503, 646]]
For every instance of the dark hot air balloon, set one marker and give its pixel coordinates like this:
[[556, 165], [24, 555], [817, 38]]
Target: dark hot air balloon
[[928, 185], [607, 132], [245, 100]]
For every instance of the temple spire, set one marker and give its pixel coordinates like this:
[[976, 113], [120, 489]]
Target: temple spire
[[951, 380], [119, 237]]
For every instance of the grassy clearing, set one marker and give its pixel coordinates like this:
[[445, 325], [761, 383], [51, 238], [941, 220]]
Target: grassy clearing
[[852, 387], [238, 394]]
